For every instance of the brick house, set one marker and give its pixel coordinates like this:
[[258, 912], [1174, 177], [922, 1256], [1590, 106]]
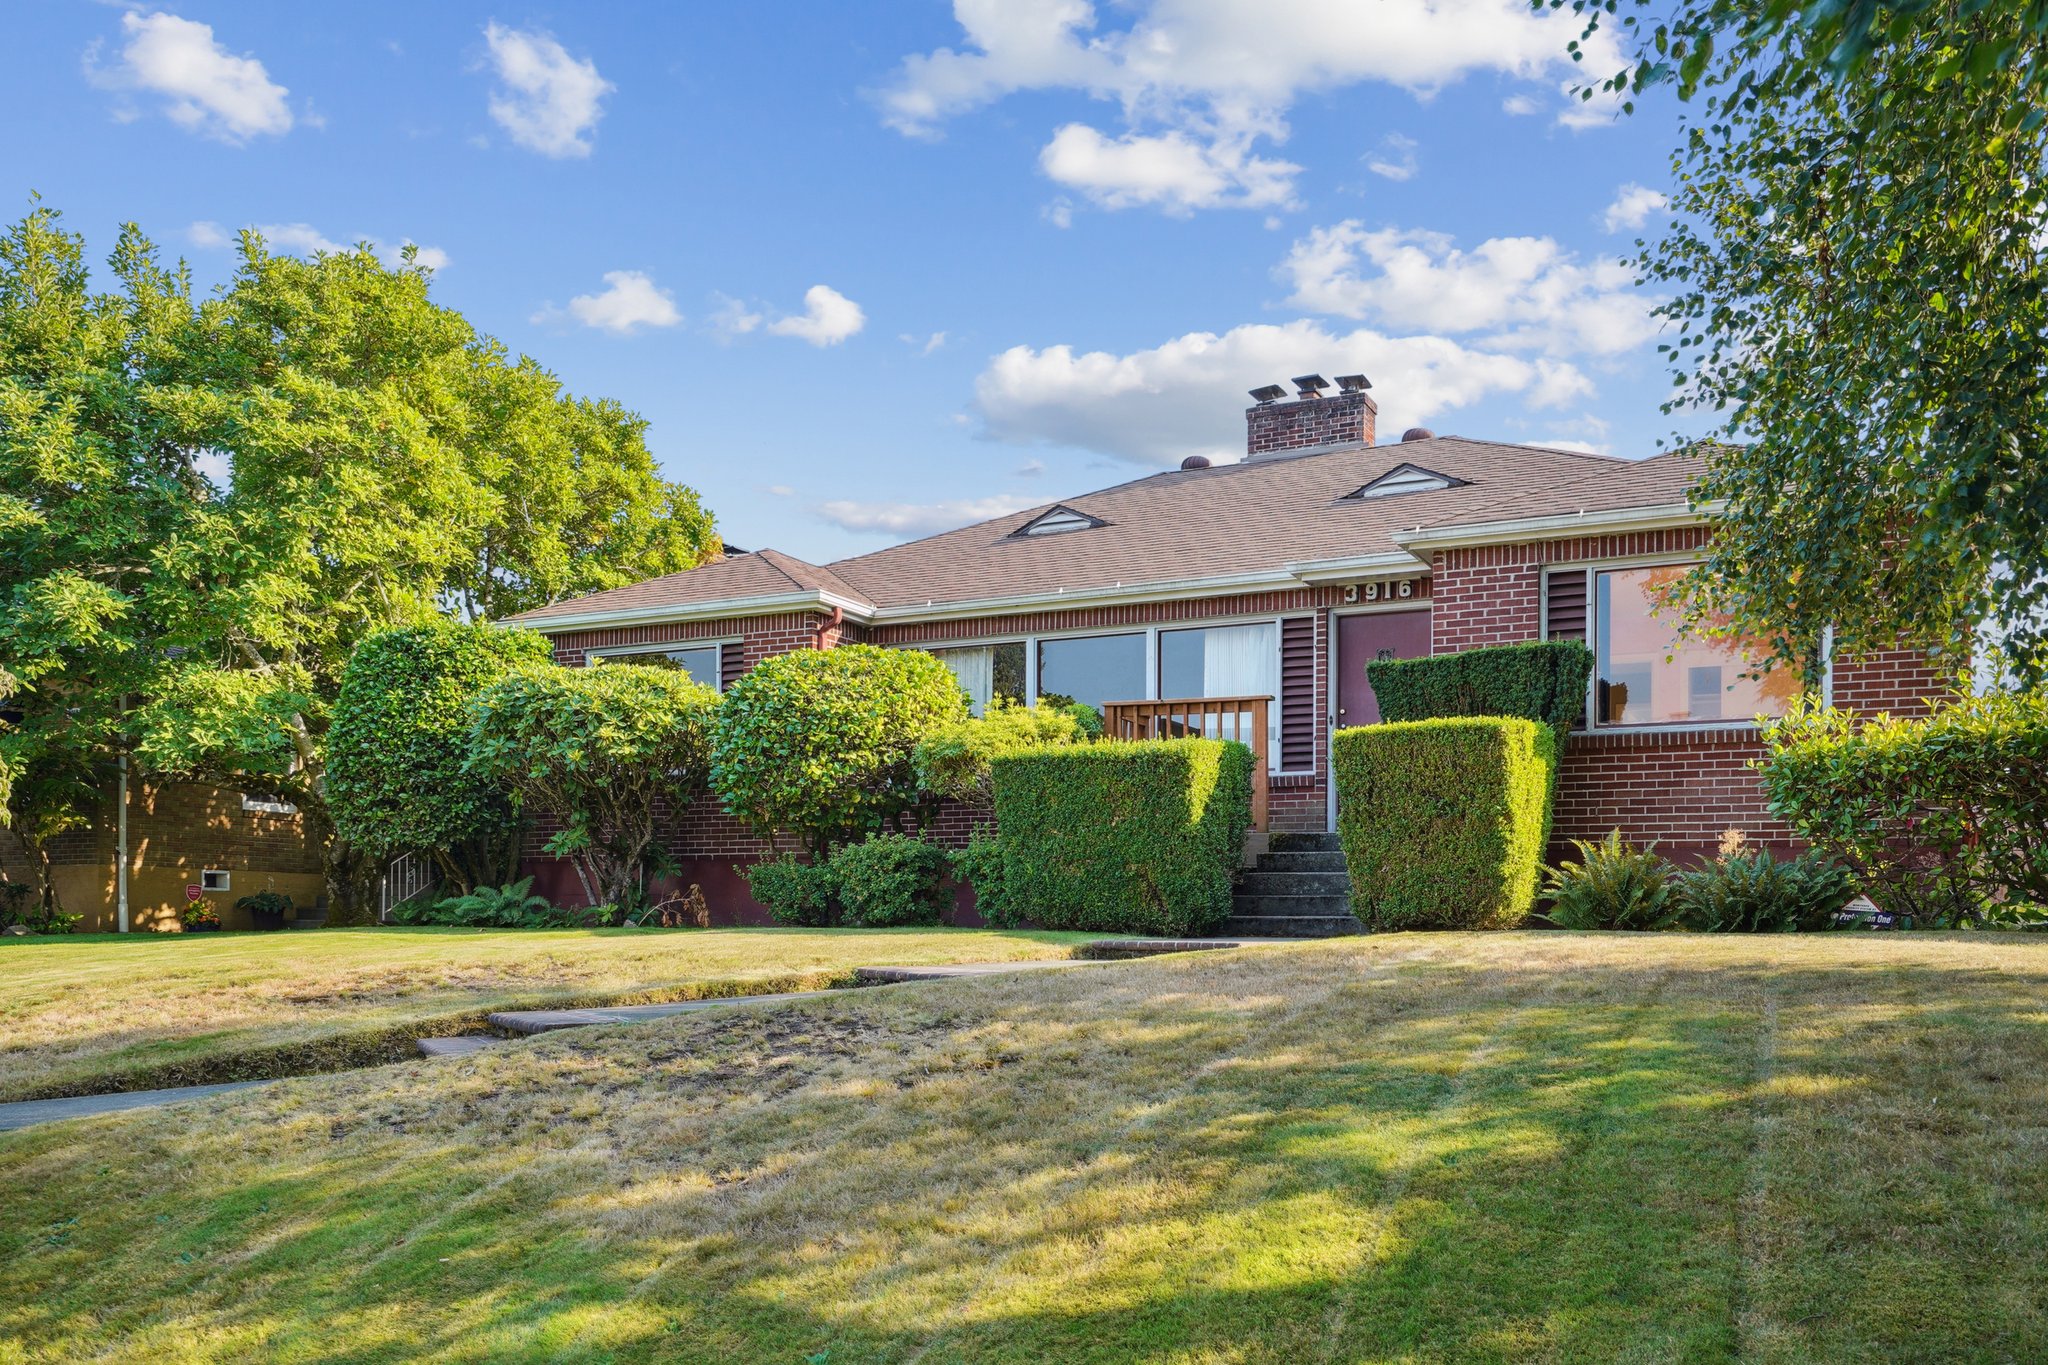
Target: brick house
[[1280, 577]]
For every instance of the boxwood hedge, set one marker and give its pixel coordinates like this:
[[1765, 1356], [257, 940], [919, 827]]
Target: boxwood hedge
[[1540, 680], [1124, 838], [1443, 821]]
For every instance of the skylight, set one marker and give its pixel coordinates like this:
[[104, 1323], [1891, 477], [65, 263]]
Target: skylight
[[1057, 521], [1405, 478]]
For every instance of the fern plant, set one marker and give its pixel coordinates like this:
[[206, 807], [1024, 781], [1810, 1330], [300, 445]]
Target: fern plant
[[1755, 893], [513, 906], [1612, 885]]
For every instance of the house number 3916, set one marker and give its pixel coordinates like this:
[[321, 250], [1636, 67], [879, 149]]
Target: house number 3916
[[1377, 592]]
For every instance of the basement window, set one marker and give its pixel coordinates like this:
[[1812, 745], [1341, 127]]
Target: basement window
[[1058, 521], [267, 803], [1405, 478], [214, 879]]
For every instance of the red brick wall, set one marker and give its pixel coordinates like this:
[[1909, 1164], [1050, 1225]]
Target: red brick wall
[[1302, 423]]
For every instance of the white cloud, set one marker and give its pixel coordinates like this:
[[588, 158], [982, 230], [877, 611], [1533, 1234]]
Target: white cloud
[[829, 317], [1199, 82], [631, 300], [924, 345], [550, 102], [1517, 292], [1187, 396], [303, 239], [1580, 113], [1633, 204], [907, 519], [1060, 212], [733, 318], [1174, 171], [1395, 159], [781, 490], [206, 89], [1030, 469], [1521, 106]]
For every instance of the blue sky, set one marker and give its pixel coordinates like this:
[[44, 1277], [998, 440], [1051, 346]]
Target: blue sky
[[870, 271]]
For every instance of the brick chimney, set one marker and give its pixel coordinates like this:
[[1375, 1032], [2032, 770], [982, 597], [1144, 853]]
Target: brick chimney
[[1309, 423]]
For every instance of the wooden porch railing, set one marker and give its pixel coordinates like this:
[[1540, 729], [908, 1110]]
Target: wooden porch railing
[[1239, 718]]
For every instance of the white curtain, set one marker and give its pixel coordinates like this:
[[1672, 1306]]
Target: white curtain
[[1244, 661], [976, 670]]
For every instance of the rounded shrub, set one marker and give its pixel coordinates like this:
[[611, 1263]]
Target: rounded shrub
[[981, 866], [891, 880], [953, 761], [794, 893], [1612, 885], [818, 742]]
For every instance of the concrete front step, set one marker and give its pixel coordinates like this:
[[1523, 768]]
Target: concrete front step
[[1289, 841], [464, 1045], [1300, 862], [1291, 926], [1262, 907], [1264, 883]]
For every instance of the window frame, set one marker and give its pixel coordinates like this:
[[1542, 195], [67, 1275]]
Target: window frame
[[614, 653], [1590, 567]]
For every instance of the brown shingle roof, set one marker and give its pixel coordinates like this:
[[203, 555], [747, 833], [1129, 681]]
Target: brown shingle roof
[[1227, 521]]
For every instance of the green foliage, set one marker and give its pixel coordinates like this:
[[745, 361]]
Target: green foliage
[[513, 906], [980, 865], [1612, 885], [605, 750], [1542, 680], [890, 881], [953, 761], [818, 743], [1123, 838], [1853, 283], [399, 747], [1085, 716], [1752, 892], [21, 904], [794, 893], [1944, 818], [266, 903], [1443, 821]]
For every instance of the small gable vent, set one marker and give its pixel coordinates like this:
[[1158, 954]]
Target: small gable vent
[[1058, 521], [1406, 478]]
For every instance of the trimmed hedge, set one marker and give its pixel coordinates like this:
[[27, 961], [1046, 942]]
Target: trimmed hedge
[[1123, 838], [891, 880], [1542, 680], [1443, 821]]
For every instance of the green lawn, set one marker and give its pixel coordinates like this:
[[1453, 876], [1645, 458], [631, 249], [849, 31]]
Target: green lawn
[[1413, 1148], [89, 1014]]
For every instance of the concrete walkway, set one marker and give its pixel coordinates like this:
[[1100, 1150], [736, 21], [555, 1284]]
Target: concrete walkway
[[28, 1113]]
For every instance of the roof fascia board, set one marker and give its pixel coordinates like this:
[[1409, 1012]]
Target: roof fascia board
[[1322, 572], [666, 613], [1264, 581], [1421, 539]]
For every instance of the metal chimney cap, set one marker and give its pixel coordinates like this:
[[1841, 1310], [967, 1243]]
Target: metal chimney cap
[[1310, 385], [1353, 383], [1267, 393]]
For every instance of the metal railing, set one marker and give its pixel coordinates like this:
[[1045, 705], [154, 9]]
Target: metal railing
[[408, 875], [1240, 718]]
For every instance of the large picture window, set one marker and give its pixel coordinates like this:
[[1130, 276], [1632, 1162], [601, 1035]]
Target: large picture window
[[1225, 661], [701, 662], [1092, 669], [1651, 672], [987, 672]]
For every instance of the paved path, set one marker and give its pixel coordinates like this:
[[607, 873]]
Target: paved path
[[30, 1112], [547, 1021]]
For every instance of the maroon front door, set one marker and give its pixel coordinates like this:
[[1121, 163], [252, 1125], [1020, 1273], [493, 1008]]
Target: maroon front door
[[1366, 636]]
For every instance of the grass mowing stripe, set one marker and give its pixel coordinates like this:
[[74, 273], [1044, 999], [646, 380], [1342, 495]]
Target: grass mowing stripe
[[1749, 1316]]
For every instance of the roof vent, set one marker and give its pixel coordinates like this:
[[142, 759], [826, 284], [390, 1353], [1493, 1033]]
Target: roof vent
[[1195, 462], [1418, 434], [1310, 385], [1405, 478], [1057, 520]]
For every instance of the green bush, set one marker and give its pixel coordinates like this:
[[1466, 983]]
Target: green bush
[[818, 742], [980, 865], [492, 907], [1751, 892], [891, 880], [953, 761], [805, 894], [1123, 838], [1613, 885], [1944, 818], [606, 750], [400, 739], [1541, 681], [1443, 821]]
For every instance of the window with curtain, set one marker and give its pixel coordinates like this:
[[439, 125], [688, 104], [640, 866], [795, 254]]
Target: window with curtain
[[1652, 672], [1225, 661], [1092, 669], [987, 672], [701, 662]]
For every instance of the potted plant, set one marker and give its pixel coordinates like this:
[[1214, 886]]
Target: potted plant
[[200, 918], [267, 909]]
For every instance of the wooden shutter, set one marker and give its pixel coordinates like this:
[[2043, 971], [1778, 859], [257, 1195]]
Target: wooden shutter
[[1299, 704], [1564, 604], [732, 662]]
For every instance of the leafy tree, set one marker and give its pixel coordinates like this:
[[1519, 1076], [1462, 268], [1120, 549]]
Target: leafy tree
[[204, 505], [399, 746], [818, 743], [953, 761], [607, 751], [1860, 298]]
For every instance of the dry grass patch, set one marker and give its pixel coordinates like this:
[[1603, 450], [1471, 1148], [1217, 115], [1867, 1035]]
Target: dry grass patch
[[1412, 1148], [88, 1015]]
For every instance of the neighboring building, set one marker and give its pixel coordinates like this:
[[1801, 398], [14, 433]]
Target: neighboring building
[[181, 835], [1282, 576]]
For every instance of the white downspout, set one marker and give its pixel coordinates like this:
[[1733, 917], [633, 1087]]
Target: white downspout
[[121, 850]]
